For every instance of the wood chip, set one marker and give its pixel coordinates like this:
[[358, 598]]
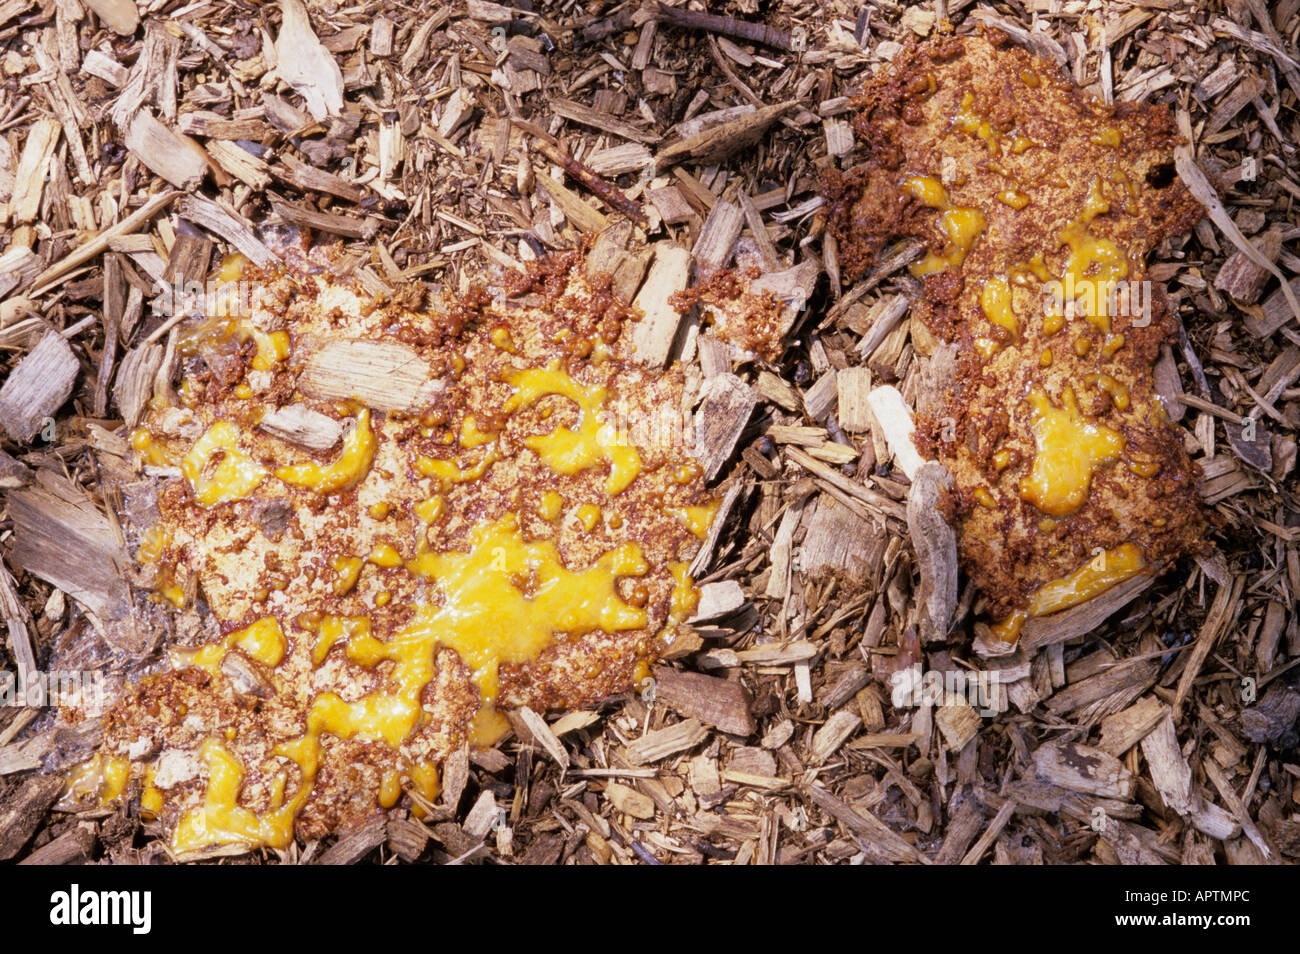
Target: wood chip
[[895, 420], [661, 743], [726, 405], [629, 801], [24, 809], [1083, 768], [654, 335], [37, 387], [542, 734], [29, 180], [300, 425], [64, 539], [935, 544], [177, 159], [380, 374], [306, 65], [717, 702]]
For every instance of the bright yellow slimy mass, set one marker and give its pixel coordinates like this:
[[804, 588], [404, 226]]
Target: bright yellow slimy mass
[[357, 580], [566, 450], [961, 225], [345, 472], [1095, 265], [218, 470], [263, 641], [1070, 449], [482, 615], [1095, 577]]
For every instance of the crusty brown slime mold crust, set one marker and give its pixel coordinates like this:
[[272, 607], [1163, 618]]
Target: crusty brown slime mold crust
[[1015, 178], [465, 503]]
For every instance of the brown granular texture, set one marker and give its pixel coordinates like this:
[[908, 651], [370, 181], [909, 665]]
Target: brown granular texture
[[1034, 134], [272, 553]]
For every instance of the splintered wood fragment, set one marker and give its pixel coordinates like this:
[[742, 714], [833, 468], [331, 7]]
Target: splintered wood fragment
[[577, 211], [13, 473], [482, 816], [963, 826], [620, 160], [573, 721], [629, 801], [75, 846], [823, 396], [23, 810], [216, 126], [1235, 805], [20, 626], [833, 733], [1083, 768], [120, 16], [718, 142], [1221, 614], [173, 157], [305, 64], [65, 540], [853, 386], [300, 425], [716, 702], [33, 167], [653, 336], [880, 841], [839, 137], [407, 838], [661, 743], [310, 179], [990, 834], [100, 64], [1241, 278], [839, 542], [1170, 772], [717, 238], [847, 485], [18, 266], [543, 736], [381, 37], [671, 205], [780, 392], [328, 222], [208, 215], [355, 843], [1043, 631], [240, 163], [134, 385], [380, 374], [935, 543], [609, 248], [728, 26], [1273, 313], [724, 411], [587, 116], [1121, 731], [38, 387], [958, 724], [895, 420], [458, 107], [717, 600], [775, 654], [189, 260]]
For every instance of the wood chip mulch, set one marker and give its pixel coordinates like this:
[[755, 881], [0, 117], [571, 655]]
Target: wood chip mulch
[[141, 142]]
